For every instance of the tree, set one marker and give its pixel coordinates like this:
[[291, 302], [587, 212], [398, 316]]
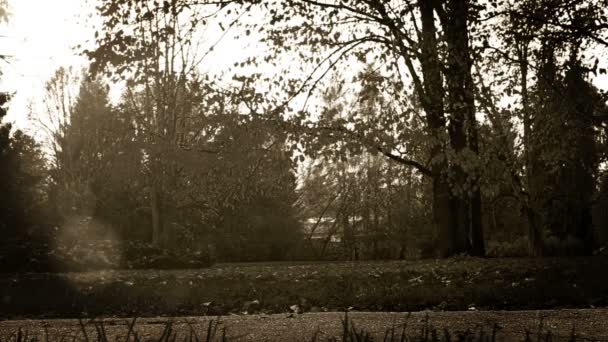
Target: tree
[[564, 139], [360, 197], [177, 110], [371, 29], [256, 193], [97, 160], [181, 119], [534, 36], [52, 120], [21, 169], [23, 182], [446, 63], [457, 207]]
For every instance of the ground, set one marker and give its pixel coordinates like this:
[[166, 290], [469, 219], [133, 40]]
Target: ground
[[265, 298], [587, 323], [400, 286]]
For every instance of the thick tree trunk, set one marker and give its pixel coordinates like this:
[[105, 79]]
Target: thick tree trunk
[[432, 101], [463, 128], [444, 218]]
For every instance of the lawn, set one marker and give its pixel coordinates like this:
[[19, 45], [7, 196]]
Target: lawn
[[461, 283]]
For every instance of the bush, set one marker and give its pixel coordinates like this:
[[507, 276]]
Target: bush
[[501, 249], [428, 249], [570, 246], [139, 255], [31, 255]]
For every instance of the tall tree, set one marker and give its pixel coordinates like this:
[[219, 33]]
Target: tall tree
[[564, 140], [157, 54], [534, 37], [406, 35]]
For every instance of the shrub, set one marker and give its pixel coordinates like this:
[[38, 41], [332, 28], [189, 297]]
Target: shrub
[[74, 256], [570, 246], [500, 249]]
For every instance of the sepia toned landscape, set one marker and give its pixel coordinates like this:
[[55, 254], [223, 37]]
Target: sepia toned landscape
[[304, 170]]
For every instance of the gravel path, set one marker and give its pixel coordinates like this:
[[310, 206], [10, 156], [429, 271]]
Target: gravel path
[[589, 324]]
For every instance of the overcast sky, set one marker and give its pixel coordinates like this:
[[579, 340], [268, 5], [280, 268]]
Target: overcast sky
[[42, 34], [40, 37]]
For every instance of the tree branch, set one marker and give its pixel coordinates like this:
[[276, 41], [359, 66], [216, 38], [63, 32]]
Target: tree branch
[[342, 6]]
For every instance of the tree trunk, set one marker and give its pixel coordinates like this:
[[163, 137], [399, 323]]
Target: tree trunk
[[157, 226], [477, 239], [432, 102], [534, 235], [443, 214], [535, 242], [463, 129]]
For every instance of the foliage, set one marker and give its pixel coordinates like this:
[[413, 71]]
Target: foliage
[[564, 143], [23, 182], [4, 11], [375, 207], [248, 192], [227, 181], [438, 126], [53, 254], [384, 134], [502, 249]]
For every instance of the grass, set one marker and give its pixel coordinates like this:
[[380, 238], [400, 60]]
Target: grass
[[452, 284], [95, 330]]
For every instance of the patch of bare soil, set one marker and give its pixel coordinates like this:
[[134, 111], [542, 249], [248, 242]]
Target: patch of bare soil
[[587, 324]]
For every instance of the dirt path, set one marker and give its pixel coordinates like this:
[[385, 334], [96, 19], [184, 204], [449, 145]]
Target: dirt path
[[589, 323]]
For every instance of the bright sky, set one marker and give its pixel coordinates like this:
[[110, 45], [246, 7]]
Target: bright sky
[[42, 34], [40, 37]]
